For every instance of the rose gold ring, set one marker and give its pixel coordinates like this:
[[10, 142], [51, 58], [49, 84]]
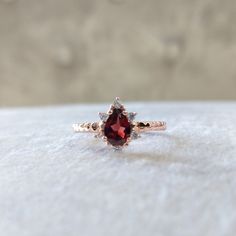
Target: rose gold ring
[[117, 127]]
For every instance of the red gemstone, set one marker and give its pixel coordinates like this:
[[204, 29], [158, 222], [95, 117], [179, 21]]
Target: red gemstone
[[117, 128]]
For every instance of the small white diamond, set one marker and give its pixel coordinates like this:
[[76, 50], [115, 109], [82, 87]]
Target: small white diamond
[[103, 116], [117, 103], [135, 135], [131, 116]]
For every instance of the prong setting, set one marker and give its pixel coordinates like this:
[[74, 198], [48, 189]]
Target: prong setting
[[104, 138], [125, 113], [117, 106]]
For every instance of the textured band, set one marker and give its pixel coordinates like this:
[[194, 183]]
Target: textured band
[[142, 126], [87, 127]]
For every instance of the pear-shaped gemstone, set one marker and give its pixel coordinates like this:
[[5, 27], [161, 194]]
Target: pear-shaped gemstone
[[117, 128]]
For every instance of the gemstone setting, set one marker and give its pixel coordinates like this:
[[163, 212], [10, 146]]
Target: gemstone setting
[[117, 128]]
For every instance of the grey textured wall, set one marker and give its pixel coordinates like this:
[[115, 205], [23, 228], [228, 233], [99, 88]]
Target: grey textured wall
[[61, 51]]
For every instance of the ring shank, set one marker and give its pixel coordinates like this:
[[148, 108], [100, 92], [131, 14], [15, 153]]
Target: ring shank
[[145, 126], [92, 127]]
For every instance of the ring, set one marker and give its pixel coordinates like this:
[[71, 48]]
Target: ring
[[117, 127]]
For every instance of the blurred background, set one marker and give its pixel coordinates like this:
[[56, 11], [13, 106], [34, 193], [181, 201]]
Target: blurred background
[[70, 51]]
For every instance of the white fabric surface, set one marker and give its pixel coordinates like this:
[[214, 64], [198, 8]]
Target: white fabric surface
[[179, 182]]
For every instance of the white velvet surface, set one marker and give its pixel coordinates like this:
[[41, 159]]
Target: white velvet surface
[[180, 182]]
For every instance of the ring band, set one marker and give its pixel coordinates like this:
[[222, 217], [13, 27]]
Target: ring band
[[117, 127]]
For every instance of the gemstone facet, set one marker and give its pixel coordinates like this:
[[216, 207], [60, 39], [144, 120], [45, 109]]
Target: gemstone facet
[[117, 128]]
